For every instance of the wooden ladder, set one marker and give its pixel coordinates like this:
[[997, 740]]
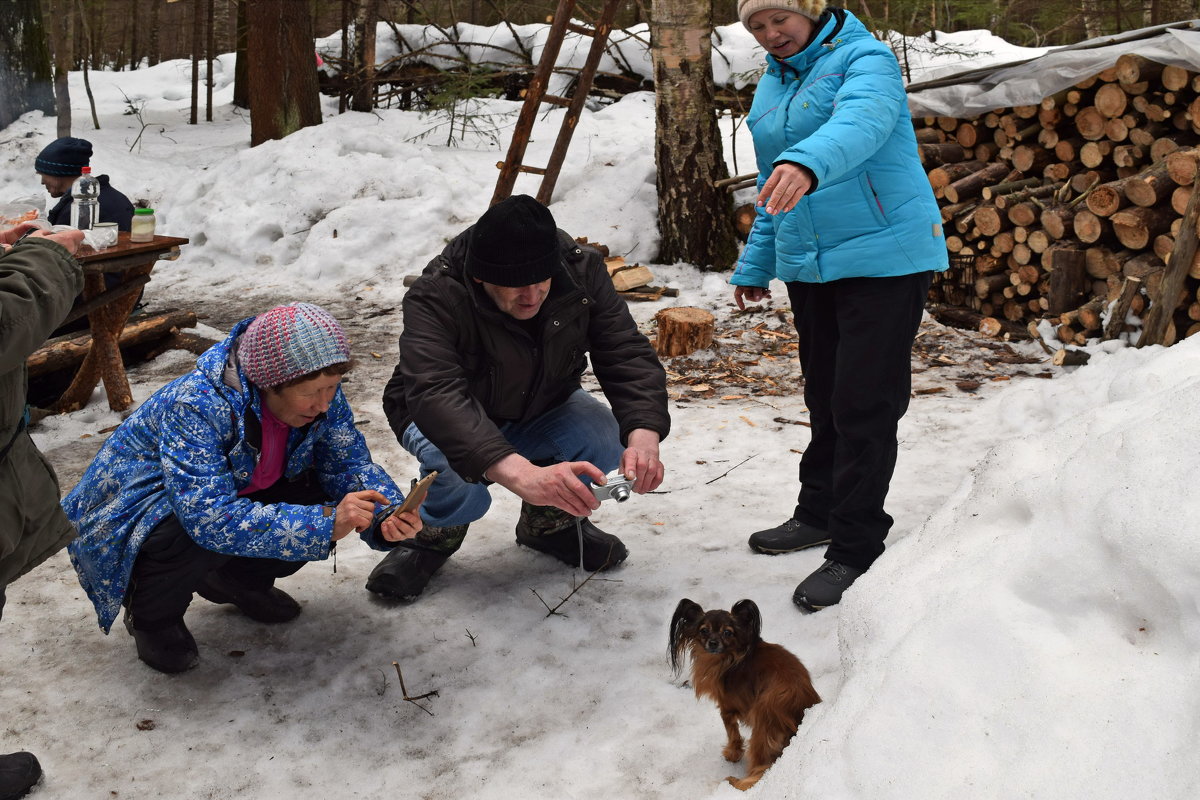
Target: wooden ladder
[[536, 94]]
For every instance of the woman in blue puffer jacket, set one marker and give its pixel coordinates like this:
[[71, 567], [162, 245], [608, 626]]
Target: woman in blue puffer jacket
[[847, 220], [227, 478]]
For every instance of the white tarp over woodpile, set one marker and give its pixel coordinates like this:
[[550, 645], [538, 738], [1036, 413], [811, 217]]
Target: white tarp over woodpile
[[1026, 82]]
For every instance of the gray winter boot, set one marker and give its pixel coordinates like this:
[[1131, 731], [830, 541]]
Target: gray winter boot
[[552, 531]]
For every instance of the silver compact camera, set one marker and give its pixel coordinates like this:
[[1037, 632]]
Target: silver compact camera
[[616, 487]]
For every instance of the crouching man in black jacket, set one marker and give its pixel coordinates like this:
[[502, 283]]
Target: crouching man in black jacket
[[487, 390]]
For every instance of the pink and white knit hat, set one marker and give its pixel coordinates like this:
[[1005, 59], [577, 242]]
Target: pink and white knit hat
[[808, 8], [291, 341]]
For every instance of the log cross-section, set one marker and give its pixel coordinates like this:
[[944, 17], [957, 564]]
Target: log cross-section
[[683, 330]]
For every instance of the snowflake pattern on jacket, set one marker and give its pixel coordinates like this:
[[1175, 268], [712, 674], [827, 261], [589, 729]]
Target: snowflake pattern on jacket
[[185, 452]]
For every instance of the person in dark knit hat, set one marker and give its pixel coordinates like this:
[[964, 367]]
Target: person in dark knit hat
[[226, 479], [497, 334], [59, 164]]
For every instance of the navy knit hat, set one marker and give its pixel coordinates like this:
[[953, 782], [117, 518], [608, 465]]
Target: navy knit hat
[[290, 342], [514, 243], [65, 156]]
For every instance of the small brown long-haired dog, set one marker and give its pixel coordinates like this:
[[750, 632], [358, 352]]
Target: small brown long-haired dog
[[751, 681]]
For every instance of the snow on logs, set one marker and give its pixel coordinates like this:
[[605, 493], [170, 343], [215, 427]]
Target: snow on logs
[[1075, 210]]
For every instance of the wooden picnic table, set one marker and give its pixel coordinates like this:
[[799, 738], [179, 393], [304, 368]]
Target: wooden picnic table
[[107, 310]]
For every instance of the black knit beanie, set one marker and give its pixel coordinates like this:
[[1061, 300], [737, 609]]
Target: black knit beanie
[[65, 156], [514, 243]]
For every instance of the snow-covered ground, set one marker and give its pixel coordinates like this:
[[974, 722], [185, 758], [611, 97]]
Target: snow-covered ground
[[1032, 630]]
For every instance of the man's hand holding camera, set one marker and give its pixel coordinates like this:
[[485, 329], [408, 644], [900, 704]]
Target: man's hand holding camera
[[640, 460], [559, 485]]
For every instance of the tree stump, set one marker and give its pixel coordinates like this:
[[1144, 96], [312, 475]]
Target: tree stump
[[683, 330]]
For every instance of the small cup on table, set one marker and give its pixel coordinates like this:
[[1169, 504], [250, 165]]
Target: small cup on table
[[103, 234]]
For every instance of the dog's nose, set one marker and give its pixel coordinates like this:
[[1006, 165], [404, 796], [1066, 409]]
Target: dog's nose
[[713, 645]]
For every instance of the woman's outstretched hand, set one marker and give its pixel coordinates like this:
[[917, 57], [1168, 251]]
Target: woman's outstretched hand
[[787, 184]]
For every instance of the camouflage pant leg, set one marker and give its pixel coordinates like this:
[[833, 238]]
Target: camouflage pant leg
[[543, 520], [441, 539]]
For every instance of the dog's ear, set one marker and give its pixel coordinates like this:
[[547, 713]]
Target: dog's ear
[[745, 612], [683, 625]]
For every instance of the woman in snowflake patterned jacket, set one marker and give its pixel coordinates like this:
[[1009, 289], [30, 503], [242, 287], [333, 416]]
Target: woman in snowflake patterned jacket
[[228, 478]]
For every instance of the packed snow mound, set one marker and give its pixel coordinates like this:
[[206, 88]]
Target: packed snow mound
[[1057, 600]]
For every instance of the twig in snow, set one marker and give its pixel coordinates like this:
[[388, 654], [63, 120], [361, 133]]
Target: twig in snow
[[404, 691], [731, 469], [555, 611]]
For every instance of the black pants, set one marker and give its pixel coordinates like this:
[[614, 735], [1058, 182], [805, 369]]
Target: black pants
[[856, 340], [170, 565]]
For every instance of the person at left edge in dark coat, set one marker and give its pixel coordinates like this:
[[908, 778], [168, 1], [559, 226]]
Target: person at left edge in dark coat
[[227, 479], [38, 278]]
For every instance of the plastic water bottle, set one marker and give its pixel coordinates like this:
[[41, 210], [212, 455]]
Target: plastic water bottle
[[85, 197]]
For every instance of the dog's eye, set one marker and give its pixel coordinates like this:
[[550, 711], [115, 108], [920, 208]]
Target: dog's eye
[[728, 634], [704, 630]]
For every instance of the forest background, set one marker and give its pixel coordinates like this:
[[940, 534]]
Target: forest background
[[123, 34]]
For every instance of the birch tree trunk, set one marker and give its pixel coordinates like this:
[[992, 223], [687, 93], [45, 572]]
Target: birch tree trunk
[[1091, 18], [695, 218]]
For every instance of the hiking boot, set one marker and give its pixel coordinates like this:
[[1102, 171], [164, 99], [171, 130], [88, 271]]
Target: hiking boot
[[789, 537], [404, 572], [18, 774], [824, 587], [268, 605], [168, 648], [552, 531]]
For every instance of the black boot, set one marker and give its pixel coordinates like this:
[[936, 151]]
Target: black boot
[[268, 605], [553, 531], [789, 537], [404, 572], [166, 647], [18, 774], [826, 586]]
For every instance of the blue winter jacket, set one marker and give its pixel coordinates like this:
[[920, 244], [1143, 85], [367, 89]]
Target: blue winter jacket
[[185, 452], [839, 108]]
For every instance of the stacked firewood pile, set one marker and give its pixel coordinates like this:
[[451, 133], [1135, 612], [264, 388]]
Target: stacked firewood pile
[[1076, 211]]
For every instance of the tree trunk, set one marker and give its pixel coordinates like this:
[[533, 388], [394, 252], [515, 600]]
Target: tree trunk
[[694, 217], [89, 46], [61, 34], [210, 50], [135, 41], [152, 49], [25, 72], [241, 66], [282, 71], [362, 97], [197, 38]]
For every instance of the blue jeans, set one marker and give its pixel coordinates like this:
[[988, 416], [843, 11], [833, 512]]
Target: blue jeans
[[581, 429]]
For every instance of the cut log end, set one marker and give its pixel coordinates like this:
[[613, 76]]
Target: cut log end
[[683, 330]]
